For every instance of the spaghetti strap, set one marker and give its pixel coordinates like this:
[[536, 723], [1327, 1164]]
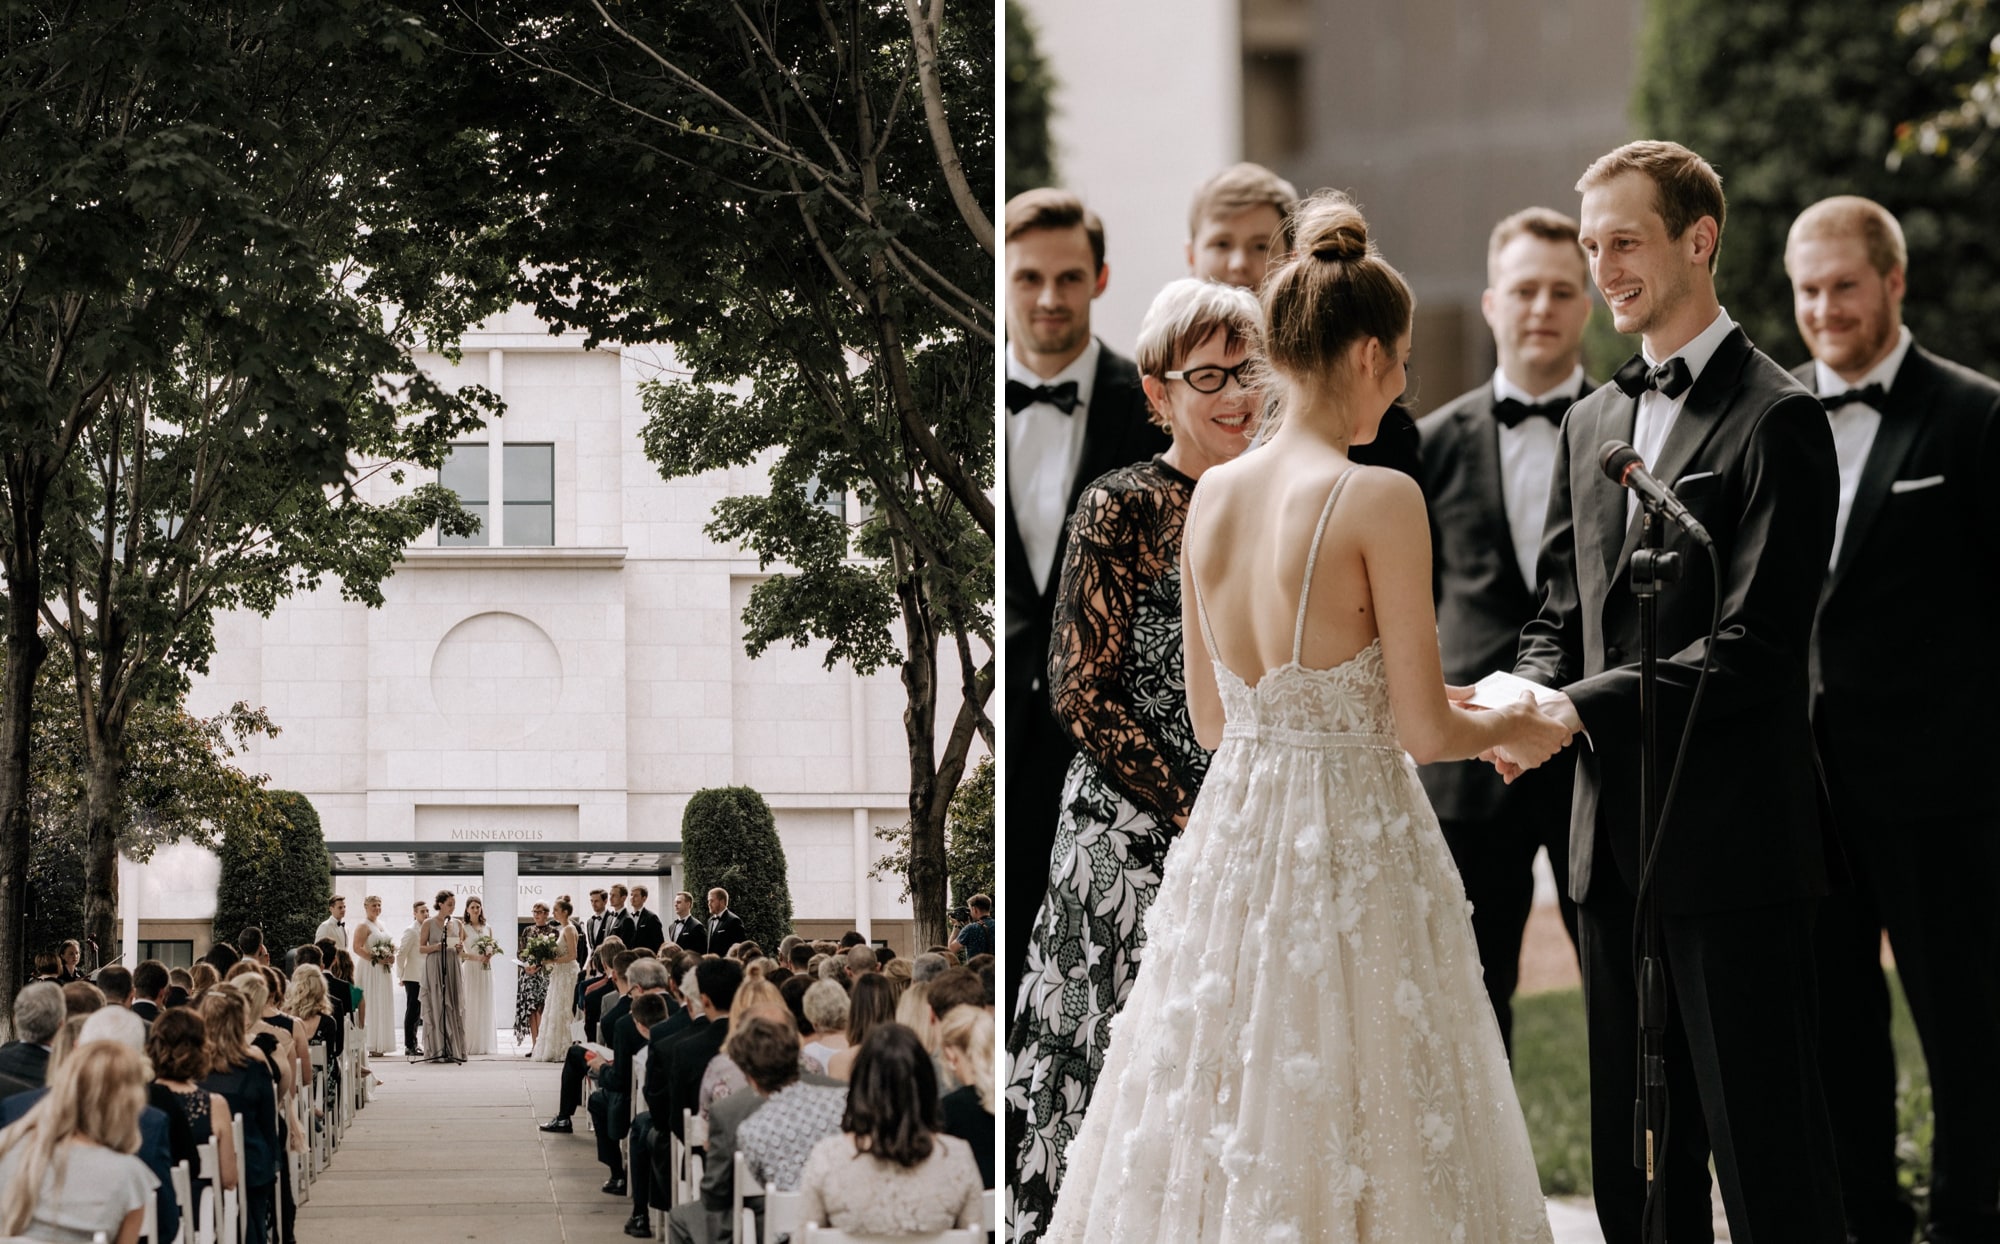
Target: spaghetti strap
[[1200, 610], [1312, 556]]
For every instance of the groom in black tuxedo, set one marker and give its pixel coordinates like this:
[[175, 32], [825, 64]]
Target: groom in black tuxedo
[[1075, 411], [1488, 461], [1744, 856], [1904, 727]]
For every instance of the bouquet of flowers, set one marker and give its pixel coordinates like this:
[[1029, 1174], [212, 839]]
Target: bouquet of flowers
[[540, 949], [381, 950], [485, 944]]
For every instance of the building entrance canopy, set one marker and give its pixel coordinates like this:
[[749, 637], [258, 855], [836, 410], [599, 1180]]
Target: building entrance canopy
[[468, 859]]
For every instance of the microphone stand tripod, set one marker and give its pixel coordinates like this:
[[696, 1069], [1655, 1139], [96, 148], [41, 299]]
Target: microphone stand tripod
[[1652, 569]]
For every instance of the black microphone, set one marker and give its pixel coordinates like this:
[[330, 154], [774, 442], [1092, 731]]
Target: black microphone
[[1622, 463]]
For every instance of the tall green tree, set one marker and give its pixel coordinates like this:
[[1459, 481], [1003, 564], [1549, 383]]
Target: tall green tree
[[792, 198], [1793, 102], [729, 839], [1031, 160]]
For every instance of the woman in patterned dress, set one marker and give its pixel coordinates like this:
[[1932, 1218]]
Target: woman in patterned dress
[[1115, 678]]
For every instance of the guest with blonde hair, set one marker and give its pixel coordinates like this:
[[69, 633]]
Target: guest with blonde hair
[[870, 1006], [67, 1169], [965, 1039]]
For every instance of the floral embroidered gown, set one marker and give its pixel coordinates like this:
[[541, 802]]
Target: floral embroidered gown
[[1308, 1054], [1115, 679]]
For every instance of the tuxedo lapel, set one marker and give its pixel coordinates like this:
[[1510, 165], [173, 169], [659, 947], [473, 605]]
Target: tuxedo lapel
[[1901, 421], [1706, 403], [1605, 500]]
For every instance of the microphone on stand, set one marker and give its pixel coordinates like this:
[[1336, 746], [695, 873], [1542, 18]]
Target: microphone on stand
[[1626, 469]]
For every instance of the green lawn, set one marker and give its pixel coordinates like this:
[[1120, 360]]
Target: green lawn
[[1554, 1082]]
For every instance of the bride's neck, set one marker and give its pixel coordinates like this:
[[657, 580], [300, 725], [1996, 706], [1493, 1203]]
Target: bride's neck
[[1317, 418]]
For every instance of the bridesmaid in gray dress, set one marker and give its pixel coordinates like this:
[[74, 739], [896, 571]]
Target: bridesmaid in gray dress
[[441, 943]]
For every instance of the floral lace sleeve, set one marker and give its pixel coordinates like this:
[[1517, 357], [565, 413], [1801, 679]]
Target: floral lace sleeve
[[1122, 540]]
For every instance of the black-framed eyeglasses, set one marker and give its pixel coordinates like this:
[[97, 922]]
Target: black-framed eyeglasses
[[1212, 379]]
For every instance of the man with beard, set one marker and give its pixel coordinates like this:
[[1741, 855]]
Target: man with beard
[[1901, 726]]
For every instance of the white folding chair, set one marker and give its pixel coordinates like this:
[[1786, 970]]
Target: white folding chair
[[237, 1204], [784, 1214], [697, 1147], [827, 1235], [182, 1232], [989, 1211], [743, 1185], [319, 1130]]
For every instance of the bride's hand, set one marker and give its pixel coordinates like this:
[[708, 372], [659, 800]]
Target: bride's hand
[[1530, 736]]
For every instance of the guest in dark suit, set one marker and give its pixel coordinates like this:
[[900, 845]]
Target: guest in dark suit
[[618, 920], [149, 981], [685, 931], [1904, 727], [577, 1064], [725, 927], [1075, 412], [609, 1109], [1489, 457], [1744, 853], [688, 1057], [38, 1015], [647, 932]]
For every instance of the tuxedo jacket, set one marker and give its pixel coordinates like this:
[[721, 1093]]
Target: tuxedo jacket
[[1903, 637], [1397, 444], [1482, 601], [725, 931], [1752, 457], [647, 931], [25, 1063], [619, 924], [687, 1058], [593, 933], [1116, 433], [689, 934]]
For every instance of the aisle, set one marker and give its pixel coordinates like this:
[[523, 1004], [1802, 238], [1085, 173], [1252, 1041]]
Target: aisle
[[451, 1153]]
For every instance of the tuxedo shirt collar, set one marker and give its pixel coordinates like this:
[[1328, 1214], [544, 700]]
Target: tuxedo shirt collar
[[1504, 388], [1699, 351], [1827, 381], [1082, 369]]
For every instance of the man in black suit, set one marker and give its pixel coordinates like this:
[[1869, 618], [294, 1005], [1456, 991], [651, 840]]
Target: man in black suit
[[149, 981], [685, 931], [1903, 727], [608, 1103], [577, 1066], [1075, 411], [38, 1014], [725, 927], [647, 932], [1744, 853], [688, 1057], [1488, 460], [618, 921]]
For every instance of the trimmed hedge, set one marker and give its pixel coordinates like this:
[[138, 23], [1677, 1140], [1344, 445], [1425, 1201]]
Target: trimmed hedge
[[275, 875], [729, 838]]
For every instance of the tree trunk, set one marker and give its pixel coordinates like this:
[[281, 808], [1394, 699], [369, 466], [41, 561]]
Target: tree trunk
[[927, 866], [25, 653], [100, 851]]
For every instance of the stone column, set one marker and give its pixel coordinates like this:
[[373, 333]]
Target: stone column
[[500, 886], [496, 456], [863, 856]]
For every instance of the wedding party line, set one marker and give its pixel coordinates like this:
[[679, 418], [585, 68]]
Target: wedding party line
[[1299, 686]]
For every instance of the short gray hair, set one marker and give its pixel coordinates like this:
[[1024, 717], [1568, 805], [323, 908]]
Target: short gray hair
[[648, 973], [862, 959], [38, 1012], [1189, 311], [115, 1023], [928, 965], [825, 1005]]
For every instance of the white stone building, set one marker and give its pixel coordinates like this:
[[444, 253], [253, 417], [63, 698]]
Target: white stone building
[[533, 710]]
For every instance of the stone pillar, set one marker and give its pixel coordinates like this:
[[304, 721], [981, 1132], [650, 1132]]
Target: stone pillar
[[128, 910], [500, 886], [496, 456], [863, 856]]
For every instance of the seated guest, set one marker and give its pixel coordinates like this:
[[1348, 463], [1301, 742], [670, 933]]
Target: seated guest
[[250, 945], [965, 1036], [222, 957], [890, 1170], [870, 1006], [954, 989], [116, 983], [178, 1047], [800, 957], [926, 967], [149, 981], [577, 1063], [599, 988], [688, 1057], [202, 977], [722, 1076], [799, 1110], [38, 1015], [67, 1170], [644, 976], [80, 997], [825, 1005], [646, 1016], [241, 1078]]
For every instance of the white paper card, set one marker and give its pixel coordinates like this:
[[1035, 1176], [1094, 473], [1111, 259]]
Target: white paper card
[[1500, 688]]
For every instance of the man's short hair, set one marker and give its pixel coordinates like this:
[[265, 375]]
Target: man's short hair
[[607, 950], [646, 973], [38, 1012], [115, 1023], [1851, 216], [618, 889], [862, 959], [766, 1049], [718, 890], [801, 956], [600, 894], [1239, 188], [250, 941], [149, 978], [1685, 186], [81, 998], [718, 980], [642, 891], [979, 903], [621, 964], [116, 982], [338, 898], [1050, 208], [954, 988], [927, 967], [683, 894], [1545, 223], [851, 938], [649, 1009], [308, 954]]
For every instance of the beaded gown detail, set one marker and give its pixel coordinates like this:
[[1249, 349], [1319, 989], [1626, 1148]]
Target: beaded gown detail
[[1308, 1053]]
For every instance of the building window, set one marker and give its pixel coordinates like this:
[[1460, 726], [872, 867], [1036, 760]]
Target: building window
[[173, 954], [832, 500], [530, 485], [464, 472]]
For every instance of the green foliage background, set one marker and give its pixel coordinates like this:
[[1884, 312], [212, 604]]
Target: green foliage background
[[1031, 160], [275, 875], [729, 838]]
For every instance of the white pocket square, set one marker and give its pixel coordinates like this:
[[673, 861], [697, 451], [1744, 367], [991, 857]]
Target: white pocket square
[[1912, 485], [1685, 480]]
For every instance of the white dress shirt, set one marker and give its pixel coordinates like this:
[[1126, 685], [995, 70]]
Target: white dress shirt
[[1657, 411], [331, 928], [1854, 428], [1044, 448], [1528, 467]]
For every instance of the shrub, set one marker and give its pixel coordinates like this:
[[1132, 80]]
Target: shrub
[[730, 839]]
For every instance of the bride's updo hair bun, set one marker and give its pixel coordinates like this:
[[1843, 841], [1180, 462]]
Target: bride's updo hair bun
[[1334, 290]]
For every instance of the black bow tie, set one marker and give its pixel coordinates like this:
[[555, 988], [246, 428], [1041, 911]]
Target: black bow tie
[[1061, 396], [1671, 378], [1510, 411], [340, 924], [1873, 394]]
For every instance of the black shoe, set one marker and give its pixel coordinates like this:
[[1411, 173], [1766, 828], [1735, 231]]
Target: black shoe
[[560, 1123], [615, 1186], [639, 1227], [415, 1053]]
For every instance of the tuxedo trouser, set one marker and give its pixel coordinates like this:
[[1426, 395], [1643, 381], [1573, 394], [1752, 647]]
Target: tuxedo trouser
[[605, 1107], [412, 1015], [1496, 863], [640, 1174], [1037, 762], [1934, 884], [575, 1067], [1741, 1074]]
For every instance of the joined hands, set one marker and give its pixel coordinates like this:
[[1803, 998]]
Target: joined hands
[[1533, 733]]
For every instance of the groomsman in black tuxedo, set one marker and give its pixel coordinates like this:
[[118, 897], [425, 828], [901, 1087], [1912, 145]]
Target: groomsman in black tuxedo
[[1238, 225], [1075, 411], [684, 930], [1904, 726], [1744, 852], [647, 931], [1489, 458]]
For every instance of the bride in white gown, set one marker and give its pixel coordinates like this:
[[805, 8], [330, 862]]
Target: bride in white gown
[[1308, 1053], [559, 1011]]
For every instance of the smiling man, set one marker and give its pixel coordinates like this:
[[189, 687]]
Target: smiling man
[[1489, 458], [1075, 411], [1743, 857], [1918, 441]]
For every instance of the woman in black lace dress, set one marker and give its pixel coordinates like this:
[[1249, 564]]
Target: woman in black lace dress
[[1115, 678]]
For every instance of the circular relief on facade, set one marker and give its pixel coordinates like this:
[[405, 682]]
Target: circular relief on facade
[[497, 677]]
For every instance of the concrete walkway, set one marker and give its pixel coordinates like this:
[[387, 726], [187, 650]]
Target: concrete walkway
[[444, 1153]]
